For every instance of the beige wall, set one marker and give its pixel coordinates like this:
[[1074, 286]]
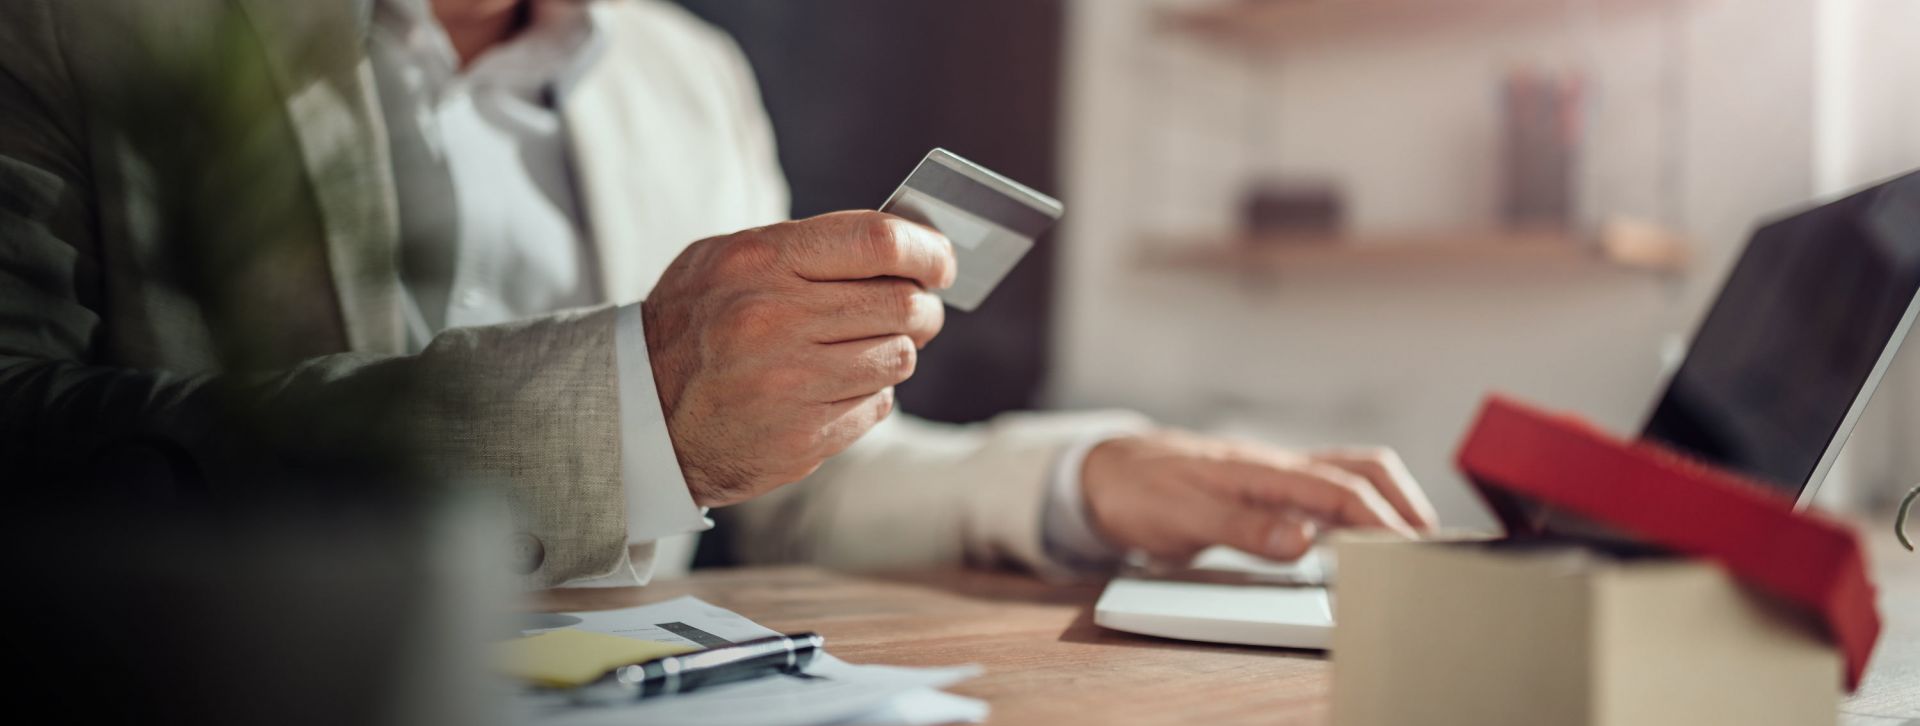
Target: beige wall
[[1867, 127], [1401, 357]]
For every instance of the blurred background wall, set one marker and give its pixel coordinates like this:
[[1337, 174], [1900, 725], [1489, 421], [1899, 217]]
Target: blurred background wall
[[1398, 285], [1699, 117]]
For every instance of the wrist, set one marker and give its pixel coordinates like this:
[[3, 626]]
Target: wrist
[[1103, 468], [1099, 463]]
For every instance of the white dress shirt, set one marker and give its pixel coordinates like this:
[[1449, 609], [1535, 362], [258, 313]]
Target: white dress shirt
[[492, 230]]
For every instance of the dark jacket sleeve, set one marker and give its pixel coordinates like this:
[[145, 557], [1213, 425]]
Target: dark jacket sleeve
[[529, 407]]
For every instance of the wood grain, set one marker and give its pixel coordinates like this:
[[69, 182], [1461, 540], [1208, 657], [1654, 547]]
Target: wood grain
[[1047, 663]]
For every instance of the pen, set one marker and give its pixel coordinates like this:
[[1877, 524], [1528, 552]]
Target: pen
[[672, 674]]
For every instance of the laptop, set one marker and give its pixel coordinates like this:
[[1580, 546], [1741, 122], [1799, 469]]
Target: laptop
[[1776, 376]]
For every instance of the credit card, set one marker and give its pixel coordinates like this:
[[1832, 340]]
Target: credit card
[[991, 219]]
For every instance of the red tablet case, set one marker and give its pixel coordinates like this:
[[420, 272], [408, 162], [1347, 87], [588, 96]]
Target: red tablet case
[[1518, 456]]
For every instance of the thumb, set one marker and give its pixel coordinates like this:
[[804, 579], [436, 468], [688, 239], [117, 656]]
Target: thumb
[[1274, 535]]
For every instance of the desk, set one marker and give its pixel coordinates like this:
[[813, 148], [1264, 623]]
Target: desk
[[1047, 663]]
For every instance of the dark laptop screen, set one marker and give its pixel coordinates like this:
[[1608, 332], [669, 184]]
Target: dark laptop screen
[[1795, 336]]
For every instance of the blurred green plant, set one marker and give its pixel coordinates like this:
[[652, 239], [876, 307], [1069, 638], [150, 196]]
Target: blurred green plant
[[204, 125]]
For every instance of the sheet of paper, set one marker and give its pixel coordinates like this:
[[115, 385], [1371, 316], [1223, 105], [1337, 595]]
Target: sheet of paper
[[925, 707], [834, 691]]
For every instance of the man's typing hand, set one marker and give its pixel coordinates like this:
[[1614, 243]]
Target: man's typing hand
[[1172, 494], [777, 347]]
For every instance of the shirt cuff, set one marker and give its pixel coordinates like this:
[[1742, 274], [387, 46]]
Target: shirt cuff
[[1067, 532], [658, 501]]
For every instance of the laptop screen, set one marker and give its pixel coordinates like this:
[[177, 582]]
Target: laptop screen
[[1800, 334]]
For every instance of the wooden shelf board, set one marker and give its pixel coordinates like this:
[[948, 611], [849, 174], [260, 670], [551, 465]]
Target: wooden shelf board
[[1275, 24], [1309, 254]]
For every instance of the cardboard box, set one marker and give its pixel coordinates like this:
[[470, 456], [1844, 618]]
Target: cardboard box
[[1534, 467], [1534, 632]]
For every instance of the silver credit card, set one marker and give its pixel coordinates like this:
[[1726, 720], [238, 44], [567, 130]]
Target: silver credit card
[[991, 219]]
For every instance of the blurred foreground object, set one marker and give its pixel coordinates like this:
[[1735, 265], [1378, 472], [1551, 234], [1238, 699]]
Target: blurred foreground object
[[1562, 634], [318, 612], [1661, 590]]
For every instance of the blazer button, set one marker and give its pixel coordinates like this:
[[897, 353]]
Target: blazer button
[[528, 553]]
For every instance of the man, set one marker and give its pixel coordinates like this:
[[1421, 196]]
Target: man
[[559, 223]]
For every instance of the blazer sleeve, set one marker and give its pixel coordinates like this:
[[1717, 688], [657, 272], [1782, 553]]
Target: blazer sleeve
[[914, 493], [530, 406]]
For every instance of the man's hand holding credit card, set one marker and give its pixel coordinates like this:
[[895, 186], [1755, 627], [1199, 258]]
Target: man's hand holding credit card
[[774, 348], [991, 220]]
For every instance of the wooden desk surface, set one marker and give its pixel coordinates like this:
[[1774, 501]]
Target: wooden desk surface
[[1047, 663]]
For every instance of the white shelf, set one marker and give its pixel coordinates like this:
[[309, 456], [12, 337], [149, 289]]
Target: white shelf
[[1316, 255], [1277, 24]]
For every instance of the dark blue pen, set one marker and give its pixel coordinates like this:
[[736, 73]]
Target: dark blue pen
[[672, 674]]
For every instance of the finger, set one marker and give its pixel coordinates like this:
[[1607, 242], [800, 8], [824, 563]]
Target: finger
[[863, 245], [861, 309], [1353, 500], [1320, 490], [856, 369], [1389, 475], [847, 421], [1273, 535], [1203, 521]]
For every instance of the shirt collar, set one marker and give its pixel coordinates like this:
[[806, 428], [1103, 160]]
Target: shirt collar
[[410, 15], [562, 43]]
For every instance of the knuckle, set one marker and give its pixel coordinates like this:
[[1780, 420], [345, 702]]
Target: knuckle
[[797, 443], [902, 300], [900, 358], [888, 363], [879, 237], [757, 315], [742, 255], [933, 317], [781, 382]]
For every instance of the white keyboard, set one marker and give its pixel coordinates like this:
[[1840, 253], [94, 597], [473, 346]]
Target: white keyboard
[[1226, 596]]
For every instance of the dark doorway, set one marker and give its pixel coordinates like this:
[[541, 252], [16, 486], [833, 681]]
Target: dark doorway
[[859, 90]]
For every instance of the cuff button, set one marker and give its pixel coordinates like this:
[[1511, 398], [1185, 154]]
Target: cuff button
[[528, 553]]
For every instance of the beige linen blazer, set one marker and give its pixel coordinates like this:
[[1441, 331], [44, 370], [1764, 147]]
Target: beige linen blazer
[[105, 338]]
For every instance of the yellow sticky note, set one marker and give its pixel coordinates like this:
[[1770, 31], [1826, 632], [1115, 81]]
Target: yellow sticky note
[[569, 658]]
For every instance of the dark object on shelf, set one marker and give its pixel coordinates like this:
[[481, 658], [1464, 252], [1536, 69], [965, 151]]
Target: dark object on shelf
[[1283, 211], [1900, 524], [1542, 114]]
